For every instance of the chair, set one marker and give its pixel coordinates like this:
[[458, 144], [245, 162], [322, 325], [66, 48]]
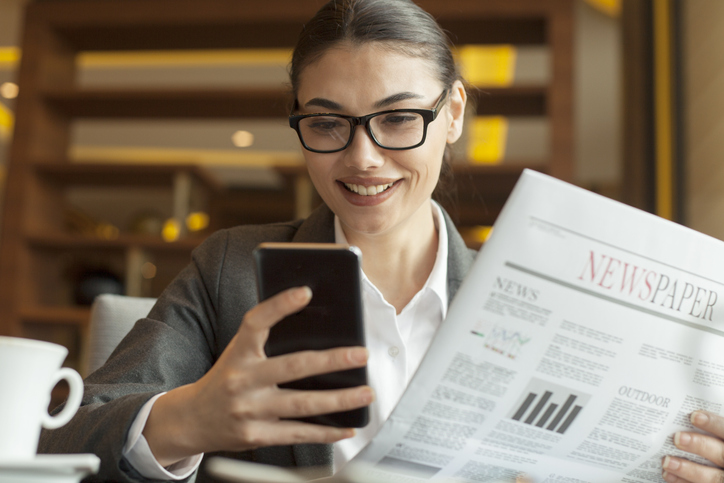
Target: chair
[[112, 316]]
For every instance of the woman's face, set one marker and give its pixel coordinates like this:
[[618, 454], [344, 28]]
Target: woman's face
[[360, 80]]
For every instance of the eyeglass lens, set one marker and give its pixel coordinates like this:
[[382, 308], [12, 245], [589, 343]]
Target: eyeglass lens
[[391, 130]]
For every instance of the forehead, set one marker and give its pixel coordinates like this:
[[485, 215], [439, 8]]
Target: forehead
[[352, 74]]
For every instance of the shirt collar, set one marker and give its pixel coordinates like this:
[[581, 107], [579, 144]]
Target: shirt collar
[[437, 281]]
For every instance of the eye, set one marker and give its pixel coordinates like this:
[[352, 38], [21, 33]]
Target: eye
[[399, 120], [324, 124]]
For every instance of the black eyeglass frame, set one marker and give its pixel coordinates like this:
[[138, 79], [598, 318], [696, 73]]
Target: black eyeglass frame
[[428, 115]]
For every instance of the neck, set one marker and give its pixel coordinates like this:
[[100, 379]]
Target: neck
[[399, 262]]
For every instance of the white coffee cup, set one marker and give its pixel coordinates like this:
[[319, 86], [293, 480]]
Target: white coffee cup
[[29, 369]]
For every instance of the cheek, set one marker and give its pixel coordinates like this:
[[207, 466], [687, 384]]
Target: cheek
[[425, 167], [317, 166], [435, 153]]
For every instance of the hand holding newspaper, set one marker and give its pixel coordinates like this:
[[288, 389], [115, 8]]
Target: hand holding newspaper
[[582, 338]]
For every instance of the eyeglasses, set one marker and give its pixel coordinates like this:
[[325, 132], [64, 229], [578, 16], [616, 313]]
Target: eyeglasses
[[396, 129]]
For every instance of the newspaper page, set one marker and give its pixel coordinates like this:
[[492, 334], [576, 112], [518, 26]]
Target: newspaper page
[[581, 339]]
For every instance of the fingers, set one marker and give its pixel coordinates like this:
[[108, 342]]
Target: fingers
[[273, 433], [287, 404], [704, 445], [679, 470], [298, 365], [709, 422], [670, 477], [254, 329]]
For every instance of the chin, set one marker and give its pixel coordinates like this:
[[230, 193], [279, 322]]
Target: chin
[[367, 225]]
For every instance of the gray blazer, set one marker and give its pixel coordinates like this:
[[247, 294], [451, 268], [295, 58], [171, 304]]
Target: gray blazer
[[185, 333]]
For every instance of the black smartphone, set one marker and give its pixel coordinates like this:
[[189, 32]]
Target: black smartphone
[[333, 318]]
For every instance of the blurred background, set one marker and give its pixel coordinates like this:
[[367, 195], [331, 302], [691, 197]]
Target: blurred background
[[130, 130]]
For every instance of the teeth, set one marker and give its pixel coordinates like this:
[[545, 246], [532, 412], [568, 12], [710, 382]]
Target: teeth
[[367, 190]]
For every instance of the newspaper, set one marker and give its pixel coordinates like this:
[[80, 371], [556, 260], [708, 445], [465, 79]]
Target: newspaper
[[583, 337]]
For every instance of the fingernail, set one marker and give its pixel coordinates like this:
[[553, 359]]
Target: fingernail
[[670, 464], [303, 294], [699, 418], [682, 439], [366, 396], [359, 355]]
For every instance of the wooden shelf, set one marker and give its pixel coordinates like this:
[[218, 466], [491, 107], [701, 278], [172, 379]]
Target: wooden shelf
[[36, 253], [251, 103], [62, 241], [253, 24], [55, 315], [66, 173], [511, 167], [170, 103], [166, 24], [499, 30], [481, 191], [510, 101]]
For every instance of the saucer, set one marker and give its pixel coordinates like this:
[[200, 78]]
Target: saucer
[[49, 468]]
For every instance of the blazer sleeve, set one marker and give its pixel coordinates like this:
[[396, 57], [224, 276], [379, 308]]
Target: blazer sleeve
[[175, 345]]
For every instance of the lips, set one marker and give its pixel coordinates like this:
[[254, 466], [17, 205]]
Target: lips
[[363, 190], [369, 192]]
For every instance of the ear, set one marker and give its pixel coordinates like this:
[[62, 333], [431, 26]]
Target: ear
[[457, 101]]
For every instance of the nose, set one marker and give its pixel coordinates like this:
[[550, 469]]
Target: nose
[[363, 153]]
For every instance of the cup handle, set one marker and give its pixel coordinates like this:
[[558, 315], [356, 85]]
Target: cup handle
[[74, 398]]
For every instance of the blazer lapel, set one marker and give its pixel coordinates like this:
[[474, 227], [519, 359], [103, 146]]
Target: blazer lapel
[[317, 228], [459, 258]]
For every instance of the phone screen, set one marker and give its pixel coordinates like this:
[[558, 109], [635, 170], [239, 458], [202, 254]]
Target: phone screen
[[333, 318]]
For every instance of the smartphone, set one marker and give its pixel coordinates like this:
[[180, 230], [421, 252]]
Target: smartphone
[[333, 318]]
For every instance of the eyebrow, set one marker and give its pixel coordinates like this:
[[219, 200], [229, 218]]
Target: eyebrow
[[387, 101], [325, 103], [401, 96]]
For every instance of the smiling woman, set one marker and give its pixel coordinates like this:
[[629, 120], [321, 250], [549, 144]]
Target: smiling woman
[[357, 80], [378, 102]]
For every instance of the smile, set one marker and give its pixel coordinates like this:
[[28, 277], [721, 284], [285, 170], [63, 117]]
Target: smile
[[367, 190]]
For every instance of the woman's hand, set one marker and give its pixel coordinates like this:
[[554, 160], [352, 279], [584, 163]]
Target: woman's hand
[[237, 405], [710, 446]]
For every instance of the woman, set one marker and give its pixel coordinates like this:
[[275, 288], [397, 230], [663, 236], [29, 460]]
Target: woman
[[192, 378]]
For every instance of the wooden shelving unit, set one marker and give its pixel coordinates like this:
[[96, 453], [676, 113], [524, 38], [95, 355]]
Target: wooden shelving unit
[[59, 172], [173, 103], [37, 247]]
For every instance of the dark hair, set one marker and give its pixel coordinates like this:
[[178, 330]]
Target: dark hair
[[398, 24]]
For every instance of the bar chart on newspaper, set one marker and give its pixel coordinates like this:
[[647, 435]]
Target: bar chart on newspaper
[[549, 406]]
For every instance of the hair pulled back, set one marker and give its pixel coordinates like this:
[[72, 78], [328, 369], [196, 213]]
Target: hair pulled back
[[399, 25]]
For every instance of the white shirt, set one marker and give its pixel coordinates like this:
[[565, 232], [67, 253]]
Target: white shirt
[[396, 343]]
